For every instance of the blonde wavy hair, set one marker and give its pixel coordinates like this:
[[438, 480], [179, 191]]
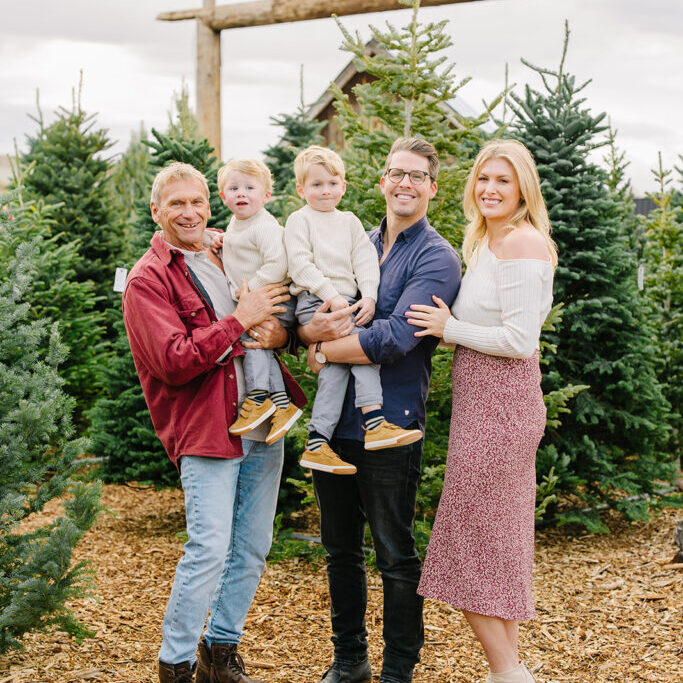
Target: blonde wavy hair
[[531, 209]]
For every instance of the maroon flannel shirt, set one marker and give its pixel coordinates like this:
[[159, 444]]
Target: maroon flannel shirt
[[176, 341]]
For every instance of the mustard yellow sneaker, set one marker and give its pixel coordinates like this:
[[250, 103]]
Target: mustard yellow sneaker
[[282, 422], [388, 435], [251, 415], [326, 460]]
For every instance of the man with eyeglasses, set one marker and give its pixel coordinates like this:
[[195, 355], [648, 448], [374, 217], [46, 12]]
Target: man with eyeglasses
[[415, 264]]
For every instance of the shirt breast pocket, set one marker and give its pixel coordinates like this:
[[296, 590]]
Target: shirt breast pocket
[[194, 316]]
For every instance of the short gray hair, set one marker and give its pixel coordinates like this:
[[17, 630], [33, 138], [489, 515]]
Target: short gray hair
[[176, 170]]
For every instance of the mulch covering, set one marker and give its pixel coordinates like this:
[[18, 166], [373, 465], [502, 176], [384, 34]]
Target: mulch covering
[[609, 609]]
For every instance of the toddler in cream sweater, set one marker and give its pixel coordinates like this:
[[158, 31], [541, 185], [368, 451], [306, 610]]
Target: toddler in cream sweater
[[330, 258], [254, 251]]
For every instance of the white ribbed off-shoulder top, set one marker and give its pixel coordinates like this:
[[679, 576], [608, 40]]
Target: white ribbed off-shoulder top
[[501, 305]]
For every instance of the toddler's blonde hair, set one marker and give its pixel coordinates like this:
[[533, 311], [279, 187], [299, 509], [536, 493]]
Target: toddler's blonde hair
[[251, 167], [315, 154]]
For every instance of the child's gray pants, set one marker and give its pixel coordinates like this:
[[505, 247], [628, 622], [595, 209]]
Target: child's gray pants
[[261, 369], [334, 378]]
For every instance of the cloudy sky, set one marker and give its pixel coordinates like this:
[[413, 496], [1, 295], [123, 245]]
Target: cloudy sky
[[133, 64]]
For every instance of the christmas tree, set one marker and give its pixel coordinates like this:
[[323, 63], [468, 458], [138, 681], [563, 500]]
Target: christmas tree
[[663, 289], [37, 460], [412, 93], [299, 132], [611, 444], [57, 293], [121, 429], [65, 164]]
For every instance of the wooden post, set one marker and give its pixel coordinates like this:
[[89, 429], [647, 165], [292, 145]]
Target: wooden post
[[211, 20], [266, 12], [209, 81]]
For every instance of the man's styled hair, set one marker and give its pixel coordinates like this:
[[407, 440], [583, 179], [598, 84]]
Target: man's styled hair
[[315, 154], [250, 167], [176, 171], [416, 146]]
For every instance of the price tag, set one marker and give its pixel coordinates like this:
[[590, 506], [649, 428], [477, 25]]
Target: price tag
[[641, 277], [120, 279]]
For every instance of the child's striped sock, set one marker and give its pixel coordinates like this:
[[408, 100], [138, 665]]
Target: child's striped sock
[[373, 419]]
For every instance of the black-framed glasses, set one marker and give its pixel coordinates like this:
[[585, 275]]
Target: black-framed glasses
[[396, 175]]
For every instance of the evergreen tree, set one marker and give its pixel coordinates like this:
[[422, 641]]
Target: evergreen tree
[[663, 261], [65, 165], [299, 132], [37, 461], [56, 292], [122, 430], [613, 437], [130, 180], [412, 93]]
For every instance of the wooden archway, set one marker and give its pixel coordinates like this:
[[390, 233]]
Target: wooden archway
[[211, 20]]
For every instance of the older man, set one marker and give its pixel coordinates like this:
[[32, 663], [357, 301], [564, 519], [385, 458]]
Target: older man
[[415, 263], [184, 331]]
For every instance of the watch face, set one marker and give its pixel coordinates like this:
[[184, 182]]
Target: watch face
[[320, 357]]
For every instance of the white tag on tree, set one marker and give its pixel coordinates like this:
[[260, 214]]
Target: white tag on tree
[[641, 277], [120, 279]]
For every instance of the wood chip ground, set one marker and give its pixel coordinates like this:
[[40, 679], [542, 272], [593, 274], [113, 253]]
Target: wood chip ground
[[609, 609]]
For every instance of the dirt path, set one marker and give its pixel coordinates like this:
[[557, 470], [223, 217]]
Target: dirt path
[[609, 609]]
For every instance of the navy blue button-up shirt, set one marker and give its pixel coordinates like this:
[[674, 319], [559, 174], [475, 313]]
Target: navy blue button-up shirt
[[420, 263]]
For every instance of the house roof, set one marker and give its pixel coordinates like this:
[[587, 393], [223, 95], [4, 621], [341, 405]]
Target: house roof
[[457, 106]]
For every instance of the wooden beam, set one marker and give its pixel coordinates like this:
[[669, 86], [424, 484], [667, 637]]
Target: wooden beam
[[209, 82], [266, 12]]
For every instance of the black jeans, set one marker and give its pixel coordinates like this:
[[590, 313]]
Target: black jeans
[[383, 494]]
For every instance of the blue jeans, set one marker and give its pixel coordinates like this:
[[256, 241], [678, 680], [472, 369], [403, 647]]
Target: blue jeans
[[229, 509], [383, 494]]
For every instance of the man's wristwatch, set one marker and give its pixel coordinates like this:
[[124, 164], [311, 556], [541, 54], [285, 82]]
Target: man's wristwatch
[[318, 354]]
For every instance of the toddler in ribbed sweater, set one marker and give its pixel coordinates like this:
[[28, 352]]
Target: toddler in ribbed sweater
[[254, 251], [331, 259]]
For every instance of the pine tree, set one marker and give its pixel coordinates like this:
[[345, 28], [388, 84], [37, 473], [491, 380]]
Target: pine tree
[[613, 438], [121, 429], [65, 164], [56, 292], [411, 95], [299, 132], [130, 179], [663, 261], [37, 461]]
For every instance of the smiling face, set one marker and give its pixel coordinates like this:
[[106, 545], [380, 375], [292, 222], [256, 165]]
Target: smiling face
[[244, 194], [321, 190], [182, 213], [407, 203], [497, 191]]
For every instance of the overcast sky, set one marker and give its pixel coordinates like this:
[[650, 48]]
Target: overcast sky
[[133, 64]]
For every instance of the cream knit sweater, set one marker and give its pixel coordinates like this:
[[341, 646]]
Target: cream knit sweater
[[254, 250], [501, 305], [329, 253]]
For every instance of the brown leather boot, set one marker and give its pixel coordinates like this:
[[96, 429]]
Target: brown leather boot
[[227, 666], [203, 674], [175, 673]]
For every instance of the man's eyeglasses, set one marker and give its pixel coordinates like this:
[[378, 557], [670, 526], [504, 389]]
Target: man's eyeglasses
[[396, 175]]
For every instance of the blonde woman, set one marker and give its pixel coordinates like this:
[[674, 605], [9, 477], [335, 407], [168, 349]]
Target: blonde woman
[[481, 553]]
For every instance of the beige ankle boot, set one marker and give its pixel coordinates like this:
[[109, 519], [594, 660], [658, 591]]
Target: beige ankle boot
[[520, 674]]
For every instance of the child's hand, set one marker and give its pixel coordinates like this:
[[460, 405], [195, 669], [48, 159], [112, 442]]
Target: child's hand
[[338, 302], [365, 311], [217, 242]]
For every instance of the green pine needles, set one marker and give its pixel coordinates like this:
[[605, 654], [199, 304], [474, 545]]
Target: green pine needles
[[612, 442], [37, 460]]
